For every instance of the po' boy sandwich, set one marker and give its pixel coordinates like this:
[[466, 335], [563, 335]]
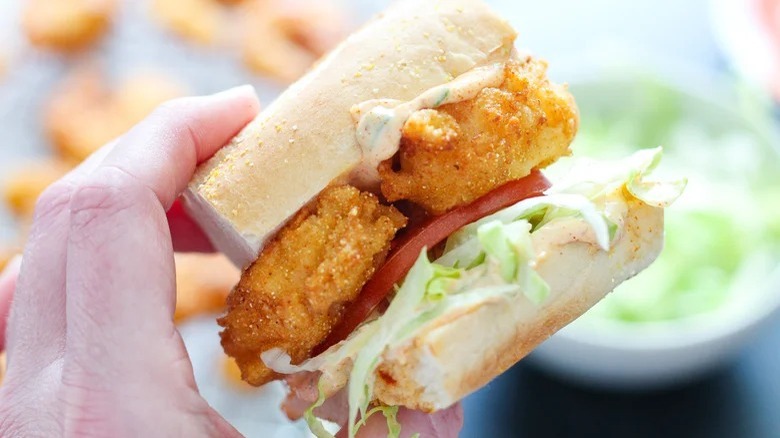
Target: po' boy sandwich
[[397, 236]]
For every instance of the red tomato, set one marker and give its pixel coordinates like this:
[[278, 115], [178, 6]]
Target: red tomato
[[426, 235]]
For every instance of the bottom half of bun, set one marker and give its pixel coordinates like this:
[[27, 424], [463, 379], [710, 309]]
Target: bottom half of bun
[[462, 352]]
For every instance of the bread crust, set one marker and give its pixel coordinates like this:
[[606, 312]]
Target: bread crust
[[460, 353], [305, 140]]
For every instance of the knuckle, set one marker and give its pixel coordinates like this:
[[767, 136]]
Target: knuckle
[[29, 407], [106, 193], [9, 421], [53, 200], [86, 408]]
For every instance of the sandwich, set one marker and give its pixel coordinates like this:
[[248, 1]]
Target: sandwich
[[398, 237]]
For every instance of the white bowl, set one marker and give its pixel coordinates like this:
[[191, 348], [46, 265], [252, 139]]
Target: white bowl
[[633, 356], [620, 355]]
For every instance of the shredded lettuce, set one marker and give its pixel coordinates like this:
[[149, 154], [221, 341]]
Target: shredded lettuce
[[542, 210], [316, 427], [494, 239], [314, 423], [510, 245], [361, 380], [281, 362], [391, 414], [597, 179], [434, 289]]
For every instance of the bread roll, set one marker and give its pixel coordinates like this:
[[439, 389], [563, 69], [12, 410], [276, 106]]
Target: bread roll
[[460, 353], [306, 139]]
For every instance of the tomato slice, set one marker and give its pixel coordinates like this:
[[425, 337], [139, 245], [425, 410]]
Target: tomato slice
[[426, 235]]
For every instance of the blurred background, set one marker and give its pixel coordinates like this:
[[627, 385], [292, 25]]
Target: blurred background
[[691, 347]]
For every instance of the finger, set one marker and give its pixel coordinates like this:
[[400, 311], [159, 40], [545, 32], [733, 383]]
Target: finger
[[446, 423], [162, 152], [36, 324], [7, 286], [187, 236], [120, 274], [441, 424], [303, 393], [35, 333]]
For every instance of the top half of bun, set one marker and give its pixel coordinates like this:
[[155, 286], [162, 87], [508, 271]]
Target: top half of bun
[[306, 139]]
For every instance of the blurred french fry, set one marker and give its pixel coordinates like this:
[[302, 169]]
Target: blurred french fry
[[198, 21], [232, 373], [267, 50], [318, 26], [284, 39], [203, 282], [141, 93], [84, 114], [74, 116], [6, 254], [21, 187], [67, 25], [3, 366]]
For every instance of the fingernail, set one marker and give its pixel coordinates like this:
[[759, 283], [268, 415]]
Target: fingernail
[[240, 91]]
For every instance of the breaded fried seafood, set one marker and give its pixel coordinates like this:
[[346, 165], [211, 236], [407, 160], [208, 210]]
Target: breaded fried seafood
[[67, 25], [294, 294]]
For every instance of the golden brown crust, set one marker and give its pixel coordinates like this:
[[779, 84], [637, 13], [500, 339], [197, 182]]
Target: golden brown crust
[[452, 155], [232, 373], [242, 194], [296, 291]]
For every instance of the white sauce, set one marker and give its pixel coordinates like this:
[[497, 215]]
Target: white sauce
[[381, 121]]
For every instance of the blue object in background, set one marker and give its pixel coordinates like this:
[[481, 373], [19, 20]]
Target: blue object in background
[[742, 401]]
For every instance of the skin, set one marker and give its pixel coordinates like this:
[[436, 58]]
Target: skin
[[91, 342]]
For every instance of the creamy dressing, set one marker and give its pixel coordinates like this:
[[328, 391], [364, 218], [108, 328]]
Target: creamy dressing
[[381, 121], [562, 232]]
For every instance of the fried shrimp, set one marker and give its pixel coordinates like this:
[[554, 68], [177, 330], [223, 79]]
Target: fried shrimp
[[198, 21], [203, 281], [85, 113], [283, 39], [296, 291], [67, 25], [452, 155], [21, 187]]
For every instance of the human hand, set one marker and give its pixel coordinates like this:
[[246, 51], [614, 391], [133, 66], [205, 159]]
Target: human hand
[[92, 347]]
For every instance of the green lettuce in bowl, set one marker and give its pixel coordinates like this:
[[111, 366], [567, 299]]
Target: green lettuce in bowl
[[717, 280]]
